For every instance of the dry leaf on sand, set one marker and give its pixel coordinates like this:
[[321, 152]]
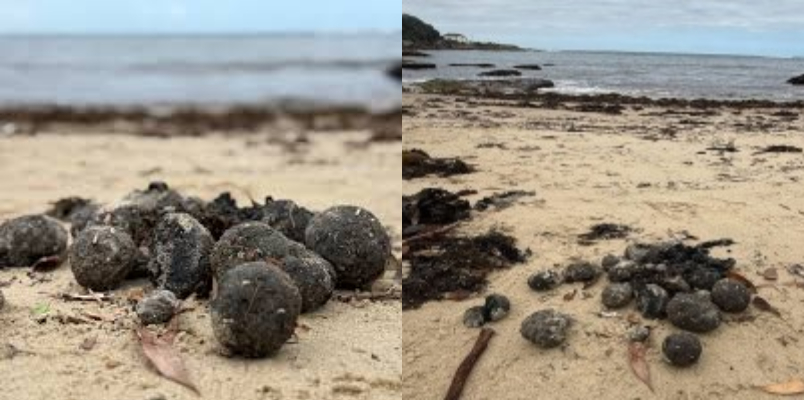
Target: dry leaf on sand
[[795, 386], [636, 359], [162, 354]]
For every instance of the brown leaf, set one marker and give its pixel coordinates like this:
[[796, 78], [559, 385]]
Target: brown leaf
[[763, 305], [165, 358], [739, 277], [636, 359], [571, 295], [795, 386], [770, 274]]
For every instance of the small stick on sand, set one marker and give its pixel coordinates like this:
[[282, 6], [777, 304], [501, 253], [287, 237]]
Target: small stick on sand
[[462, 374]]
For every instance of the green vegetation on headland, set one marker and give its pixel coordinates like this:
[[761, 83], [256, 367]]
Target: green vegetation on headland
[[417, 34]]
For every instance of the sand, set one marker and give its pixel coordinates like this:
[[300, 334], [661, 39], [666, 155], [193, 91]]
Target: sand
[[649, 171], [346, 350]]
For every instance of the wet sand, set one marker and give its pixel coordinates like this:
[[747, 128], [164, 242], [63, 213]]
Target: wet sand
[[654, 168], [346, 350]]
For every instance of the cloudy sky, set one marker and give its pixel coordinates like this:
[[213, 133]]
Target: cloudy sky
[[203, 16], [702, 26]]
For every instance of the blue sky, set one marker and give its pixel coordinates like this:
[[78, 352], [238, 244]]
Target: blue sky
[[202, 16], [774, 28]]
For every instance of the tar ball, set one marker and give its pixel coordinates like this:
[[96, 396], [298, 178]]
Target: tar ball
[[546, 328], [287, 217], [609, 261], [617, 295], [158, 307], [544, 280], [255, 310], [474, 317], [181, 255], [101, 257], [353, 240], [682, 349], [651, 301], [256, 241], [581, 272], [693, 312], [496, 307], [731, 295], [26, 240]]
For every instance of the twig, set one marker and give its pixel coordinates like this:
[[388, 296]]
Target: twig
[[462, 374], [99, 297], [430, 233]]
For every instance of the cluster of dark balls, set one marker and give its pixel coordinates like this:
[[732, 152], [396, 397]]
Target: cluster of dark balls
[[683, 284], [280, 256]]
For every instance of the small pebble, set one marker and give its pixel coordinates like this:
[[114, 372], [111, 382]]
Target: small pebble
[[651, 301], [546, 328], [544, 280], [639, 333], [101, 257], [474, 317], [682, 349], [581, 272], [353, 240], [255, 310], [158, 307], [693, 312], [617, 295], [496, 308], [731, 295], [27, 239]]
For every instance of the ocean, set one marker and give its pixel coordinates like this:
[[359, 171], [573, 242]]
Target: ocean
[[653, 75], [198, 70]]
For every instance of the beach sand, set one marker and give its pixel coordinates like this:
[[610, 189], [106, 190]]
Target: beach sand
[[647, 168], [346, 350]]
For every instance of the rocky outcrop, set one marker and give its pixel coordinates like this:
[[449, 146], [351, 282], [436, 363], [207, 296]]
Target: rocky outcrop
[[532, 67], [501, 72], [417, 65], [798, 80]]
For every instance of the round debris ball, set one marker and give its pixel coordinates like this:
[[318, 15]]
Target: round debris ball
[[474, 317], [731, 295], [693, 312], [497, 307], [544, 280], [353, 240], [101, 257], [609, 261], [255, 310], [546, 328], [651, 301], [181, 255], [287, 217], [702, 277], [639, 333], [158, 307], [682, 349], [623, 271], [256, 241], [581, 272], [27, 239], [617, 295]]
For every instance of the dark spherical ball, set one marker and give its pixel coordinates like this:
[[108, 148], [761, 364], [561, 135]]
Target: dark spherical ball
[[255, 310], [546, 328], [101, 257], [731, 295], [496, 307], [651, 301], [582, 272], [544, 280], [682, 349], [181, 255], [693, 312], [617, 295], [287, 217], [474, 317], [158, 307], [25, 240], [256, 241], [353, 240]]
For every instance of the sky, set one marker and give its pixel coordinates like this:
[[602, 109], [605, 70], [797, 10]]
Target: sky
[[751, 27], [197, 16]]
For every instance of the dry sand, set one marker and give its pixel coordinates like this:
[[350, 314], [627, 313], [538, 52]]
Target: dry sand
[[643, 170], [347, 350]]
